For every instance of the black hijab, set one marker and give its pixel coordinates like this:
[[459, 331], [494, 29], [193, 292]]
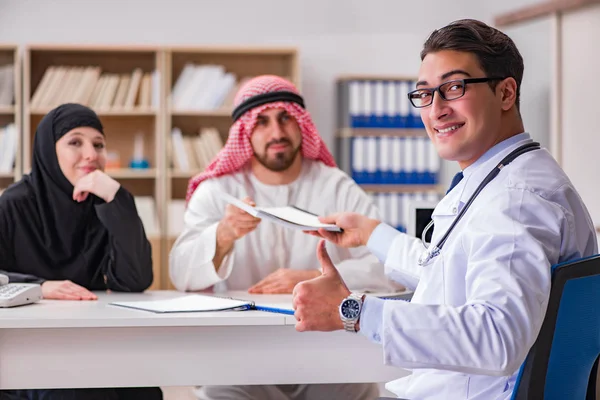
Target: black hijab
[[57, 237]]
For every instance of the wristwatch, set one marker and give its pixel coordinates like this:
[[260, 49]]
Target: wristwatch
[[350, 311]]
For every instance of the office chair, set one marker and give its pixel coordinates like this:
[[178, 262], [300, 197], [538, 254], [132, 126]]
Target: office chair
[[563, 361]]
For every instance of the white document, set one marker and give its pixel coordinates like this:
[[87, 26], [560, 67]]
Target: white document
[[190, 303], [290, 216]]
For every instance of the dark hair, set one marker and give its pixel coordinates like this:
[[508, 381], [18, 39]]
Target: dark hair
[[496, 52]]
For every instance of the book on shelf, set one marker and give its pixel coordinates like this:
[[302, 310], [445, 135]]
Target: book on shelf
[[176, 217], [228, 101], [146, 209], [8, 147], [369, 103], [7, 85], [202, 87], [382, 139], [102, 91], [391, 160], [122, 89], [394, 207], [194, 153], [134, 87], [205, 87]]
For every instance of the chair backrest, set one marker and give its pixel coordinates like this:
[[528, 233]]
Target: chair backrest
[[563, 362]]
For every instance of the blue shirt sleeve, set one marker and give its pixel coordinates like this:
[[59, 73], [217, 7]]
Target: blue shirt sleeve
[[381, 240], [371, 318]]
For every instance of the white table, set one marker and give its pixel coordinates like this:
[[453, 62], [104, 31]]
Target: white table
[[71, 344]]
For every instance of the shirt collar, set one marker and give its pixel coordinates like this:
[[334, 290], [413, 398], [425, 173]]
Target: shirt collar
[[474, 174], [495, 150]]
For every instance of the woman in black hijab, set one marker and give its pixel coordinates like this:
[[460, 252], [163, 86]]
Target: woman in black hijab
[[73, 229]]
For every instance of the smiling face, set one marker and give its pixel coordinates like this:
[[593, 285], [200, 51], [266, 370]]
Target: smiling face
[[276, 139], [465, 128], [81, 151]]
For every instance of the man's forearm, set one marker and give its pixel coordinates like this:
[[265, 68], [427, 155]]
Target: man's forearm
[[224, 245]]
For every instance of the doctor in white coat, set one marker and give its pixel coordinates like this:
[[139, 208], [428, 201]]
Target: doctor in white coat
[[482, 285]]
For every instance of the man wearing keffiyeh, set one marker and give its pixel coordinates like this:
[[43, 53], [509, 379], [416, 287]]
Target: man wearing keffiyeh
[[273, 157]]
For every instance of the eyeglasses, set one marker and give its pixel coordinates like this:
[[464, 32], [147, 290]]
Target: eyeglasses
[[450, 90]]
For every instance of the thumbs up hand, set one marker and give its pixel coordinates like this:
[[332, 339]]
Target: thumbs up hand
[[316, 301]]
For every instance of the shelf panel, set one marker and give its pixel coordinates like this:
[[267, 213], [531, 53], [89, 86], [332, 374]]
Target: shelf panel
[[7, 110], [367, 77], [7, 175], [130, 173], [219, 112], [393, 132], [182, 174], [136, 112], [401, 188], [84, 48], [234, 50]]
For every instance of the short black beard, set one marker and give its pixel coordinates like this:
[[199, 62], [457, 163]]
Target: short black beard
[[280, 163]]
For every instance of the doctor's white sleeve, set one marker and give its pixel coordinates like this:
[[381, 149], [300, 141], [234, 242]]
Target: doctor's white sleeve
[[507, 285], [399, 252], [190, 260]]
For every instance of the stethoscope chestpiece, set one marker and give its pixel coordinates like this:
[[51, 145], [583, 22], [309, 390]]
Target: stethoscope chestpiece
[[424, 258], [428, 255]]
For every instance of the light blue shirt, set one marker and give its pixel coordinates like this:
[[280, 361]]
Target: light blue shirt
[[479, 305]]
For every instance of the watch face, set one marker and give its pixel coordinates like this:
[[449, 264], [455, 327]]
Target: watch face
[[350, 309]]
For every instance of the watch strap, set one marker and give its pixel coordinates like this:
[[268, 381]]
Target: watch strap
[[350, 323]]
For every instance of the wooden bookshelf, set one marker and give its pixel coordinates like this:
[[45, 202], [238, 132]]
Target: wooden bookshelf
[[11, 113], [242, 62], [122, 120], [161, 180]]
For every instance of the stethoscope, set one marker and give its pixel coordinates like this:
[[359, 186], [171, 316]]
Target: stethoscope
[[432, 251]]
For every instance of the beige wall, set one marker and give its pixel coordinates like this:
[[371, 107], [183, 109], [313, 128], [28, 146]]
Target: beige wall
[[334, 36], [580, 113]]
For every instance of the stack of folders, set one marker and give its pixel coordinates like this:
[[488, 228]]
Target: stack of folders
[[383, 135], [395, 208], [379, 104], [394, 160]]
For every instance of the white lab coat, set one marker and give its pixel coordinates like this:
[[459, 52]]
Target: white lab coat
[[319, 189], [479, 305]]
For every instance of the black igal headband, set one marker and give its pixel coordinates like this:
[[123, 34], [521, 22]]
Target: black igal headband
[[265, 98]]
